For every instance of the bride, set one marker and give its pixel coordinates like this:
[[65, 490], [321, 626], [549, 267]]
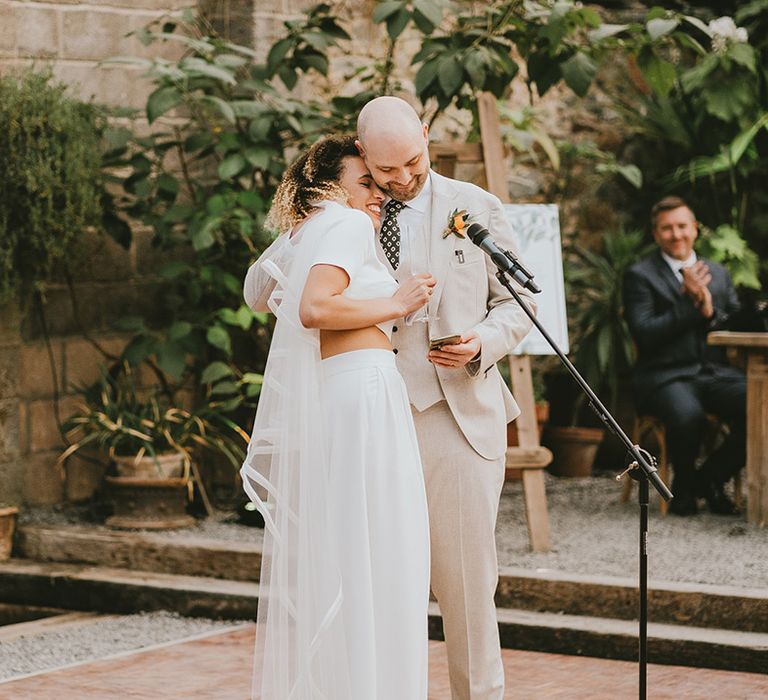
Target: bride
[[333, 464]]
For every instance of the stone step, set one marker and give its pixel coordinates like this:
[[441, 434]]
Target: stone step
[[144, 551], [115, 590], [699, 604], [112, 590], [581, 635], [723, 607]]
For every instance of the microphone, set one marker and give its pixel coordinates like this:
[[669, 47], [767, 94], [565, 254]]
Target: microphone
[[503, 259]]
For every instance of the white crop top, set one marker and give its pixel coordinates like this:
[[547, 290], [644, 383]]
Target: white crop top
[[349, 242]]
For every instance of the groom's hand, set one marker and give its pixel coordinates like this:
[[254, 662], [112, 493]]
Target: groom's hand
[[458, 354]]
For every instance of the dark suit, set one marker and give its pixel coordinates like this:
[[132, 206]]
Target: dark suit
[[678, 377]]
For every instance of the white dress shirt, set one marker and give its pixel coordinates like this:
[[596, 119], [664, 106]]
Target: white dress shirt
[[678, 265]]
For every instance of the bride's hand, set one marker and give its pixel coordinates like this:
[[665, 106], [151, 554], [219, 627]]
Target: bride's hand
[[415, 292]]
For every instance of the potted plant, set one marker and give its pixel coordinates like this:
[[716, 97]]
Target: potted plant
[[152, 443], [604, 350]]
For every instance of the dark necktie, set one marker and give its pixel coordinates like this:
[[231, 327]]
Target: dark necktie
[[390, 232]]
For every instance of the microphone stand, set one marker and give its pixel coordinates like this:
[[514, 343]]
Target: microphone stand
[[642, 466]]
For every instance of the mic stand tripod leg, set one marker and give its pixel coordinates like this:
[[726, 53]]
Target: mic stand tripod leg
[[634, 471], [642, 499]]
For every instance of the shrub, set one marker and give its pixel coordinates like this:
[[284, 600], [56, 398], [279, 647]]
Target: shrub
[[50, 181]]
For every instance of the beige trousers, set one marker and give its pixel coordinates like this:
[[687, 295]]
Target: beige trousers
[[463, 491]]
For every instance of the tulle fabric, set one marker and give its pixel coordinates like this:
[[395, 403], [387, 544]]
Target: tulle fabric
[[301, 651]]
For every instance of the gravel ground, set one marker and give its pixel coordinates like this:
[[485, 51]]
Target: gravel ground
[[591, 533], [96, 639]]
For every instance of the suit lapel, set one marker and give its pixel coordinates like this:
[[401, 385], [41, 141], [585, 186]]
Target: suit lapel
[[670, 286]]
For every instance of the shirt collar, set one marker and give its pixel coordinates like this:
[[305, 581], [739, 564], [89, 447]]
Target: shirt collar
[[676, 264]]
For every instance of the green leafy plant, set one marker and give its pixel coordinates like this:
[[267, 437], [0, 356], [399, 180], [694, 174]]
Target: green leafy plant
[[51, 183], [476, 51], [726, 246], [604, 351], [700, 113], [118, 420], [203, 185], [304, 48], [605, 162], [521, 130]]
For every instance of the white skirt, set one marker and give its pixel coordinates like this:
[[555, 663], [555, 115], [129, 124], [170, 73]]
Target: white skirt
[[380, 514]]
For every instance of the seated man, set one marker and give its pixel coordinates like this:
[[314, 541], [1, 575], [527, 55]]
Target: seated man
[[671, 301]]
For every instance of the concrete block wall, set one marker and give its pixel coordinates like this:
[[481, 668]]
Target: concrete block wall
[[75, 37], [37, 383], [10, 464]]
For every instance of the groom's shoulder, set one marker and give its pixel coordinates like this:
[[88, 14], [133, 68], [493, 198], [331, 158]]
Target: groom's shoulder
[[466, 189]]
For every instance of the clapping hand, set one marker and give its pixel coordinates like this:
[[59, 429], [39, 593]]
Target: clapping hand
[[696, 279]]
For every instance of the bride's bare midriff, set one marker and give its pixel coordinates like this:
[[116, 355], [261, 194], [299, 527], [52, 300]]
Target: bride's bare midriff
[[336, 342]]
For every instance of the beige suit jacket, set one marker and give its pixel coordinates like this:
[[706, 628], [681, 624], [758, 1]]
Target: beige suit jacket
[[468, 296]]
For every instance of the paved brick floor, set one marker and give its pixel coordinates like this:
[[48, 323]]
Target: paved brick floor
[[217, 667]]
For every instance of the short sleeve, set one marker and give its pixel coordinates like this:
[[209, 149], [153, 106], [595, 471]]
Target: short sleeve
[[258, 284], [345, 243]]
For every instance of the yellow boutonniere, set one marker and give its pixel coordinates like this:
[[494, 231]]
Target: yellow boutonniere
[[457, 222]]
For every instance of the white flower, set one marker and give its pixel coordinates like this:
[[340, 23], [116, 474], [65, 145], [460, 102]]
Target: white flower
[[724, 30], [719, 44]]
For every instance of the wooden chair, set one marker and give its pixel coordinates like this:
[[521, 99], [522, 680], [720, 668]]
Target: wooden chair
[[646, 426]]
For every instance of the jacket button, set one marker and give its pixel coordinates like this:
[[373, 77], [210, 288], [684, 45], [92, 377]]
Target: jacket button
[[395, 351], [394, 329]]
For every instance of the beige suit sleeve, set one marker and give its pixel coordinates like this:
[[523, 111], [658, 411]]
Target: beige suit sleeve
[[258, 285], [506, 323]]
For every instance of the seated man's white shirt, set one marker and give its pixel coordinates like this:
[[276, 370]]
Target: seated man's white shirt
[[677, 265]]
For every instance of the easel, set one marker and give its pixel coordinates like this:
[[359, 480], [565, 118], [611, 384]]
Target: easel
[[528, 456]]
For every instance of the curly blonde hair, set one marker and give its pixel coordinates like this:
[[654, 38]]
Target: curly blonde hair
[[313, 176]]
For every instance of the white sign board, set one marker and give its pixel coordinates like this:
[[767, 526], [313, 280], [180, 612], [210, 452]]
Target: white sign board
[[538, 236]]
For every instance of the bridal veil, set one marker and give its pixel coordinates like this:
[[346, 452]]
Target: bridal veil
[[300, 642]]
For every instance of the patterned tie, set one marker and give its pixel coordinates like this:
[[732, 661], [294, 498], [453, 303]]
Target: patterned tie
[[390, 232]]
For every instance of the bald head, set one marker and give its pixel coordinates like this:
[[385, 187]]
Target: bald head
[[387, 116], [394, 144]]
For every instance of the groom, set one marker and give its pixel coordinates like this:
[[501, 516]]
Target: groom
[[460, 402]]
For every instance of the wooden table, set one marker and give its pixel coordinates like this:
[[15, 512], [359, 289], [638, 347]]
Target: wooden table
[[755, 347]]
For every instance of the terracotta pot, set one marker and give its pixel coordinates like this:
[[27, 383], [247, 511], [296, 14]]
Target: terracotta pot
[[8, 518], [152, 493], [153, 504], [573, 449], [166, 466]]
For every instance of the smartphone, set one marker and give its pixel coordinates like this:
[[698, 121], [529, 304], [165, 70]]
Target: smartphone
[[437, 343]]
